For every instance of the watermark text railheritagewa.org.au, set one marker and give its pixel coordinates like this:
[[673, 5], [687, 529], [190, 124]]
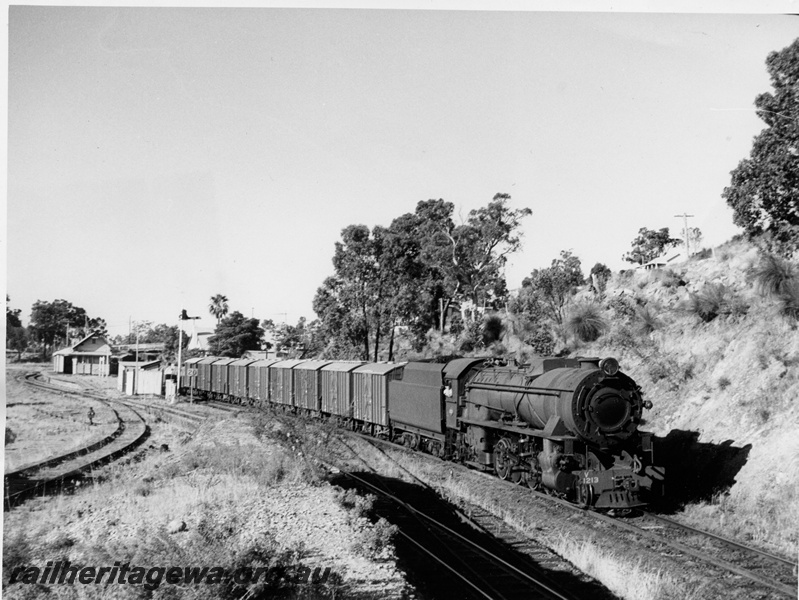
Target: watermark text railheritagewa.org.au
[[64, 573]]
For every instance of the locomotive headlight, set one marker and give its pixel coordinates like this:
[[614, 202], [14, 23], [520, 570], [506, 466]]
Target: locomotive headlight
[[609, 366]]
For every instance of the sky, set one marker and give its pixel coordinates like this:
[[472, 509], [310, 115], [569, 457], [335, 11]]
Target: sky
[[160, 156]]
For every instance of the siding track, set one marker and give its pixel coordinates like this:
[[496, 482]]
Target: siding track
[[57, 473]]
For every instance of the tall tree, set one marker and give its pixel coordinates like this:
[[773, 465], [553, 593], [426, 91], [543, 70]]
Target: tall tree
[[348, 301], [764, 189], [218, 307], [413, 288], [650, 244], [488, 237], [297, 341], [411, 272], [234, 335], [469, 258], [12, 315], [168, 336], [17, 340], [49, 321], [554, 286], [16, 335]]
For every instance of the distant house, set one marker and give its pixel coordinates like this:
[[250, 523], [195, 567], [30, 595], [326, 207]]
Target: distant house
[[90, 356], [672, 257]]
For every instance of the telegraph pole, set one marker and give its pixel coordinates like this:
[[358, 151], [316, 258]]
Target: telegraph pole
[[685, 218]]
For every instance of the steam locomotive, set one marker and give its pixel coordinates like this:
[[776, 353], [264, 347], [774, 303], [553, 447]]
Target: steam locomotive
[[568, 427]]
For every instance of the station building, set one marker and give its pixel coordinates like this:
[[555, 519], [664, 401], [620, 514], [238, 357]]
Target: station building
[[90, 356]]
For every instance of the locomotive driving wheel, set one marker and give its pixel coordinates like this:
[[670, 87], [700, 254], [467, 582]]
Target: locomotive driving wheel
[[504, 463], [533, 479]]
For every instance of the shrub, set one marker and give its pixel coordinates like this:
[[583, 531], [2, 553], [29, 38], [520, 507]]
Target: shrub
[[658, 370], [624, 337], [541, 341], [492, 329], [713, 300], [774, 276], [724, 383], [789, 300], [586, 323], [666, 277], [372, 541], [702, 254], [623, 307], [456, 324], [648, 319], [143, 488], [471, 338], [358, 506]]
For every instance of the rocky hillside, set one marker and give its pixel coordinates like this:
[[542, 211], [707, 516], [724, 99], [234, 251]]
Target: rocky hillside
[[719, 358]]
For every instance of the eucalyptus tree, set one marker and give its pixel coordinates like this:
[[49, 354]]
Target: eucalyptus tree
[[764, 188]]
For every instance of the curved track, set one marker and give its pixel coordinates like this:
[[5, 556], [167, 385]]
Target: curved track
[[748, 565], [54, 474]]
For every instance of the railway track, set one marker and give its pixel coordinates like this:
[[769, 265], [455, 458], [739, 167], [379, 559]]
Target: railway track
[[747, 561], [57, 473], [161, 411], [745, 565], [223, 406], [167, 413], [483, 557]]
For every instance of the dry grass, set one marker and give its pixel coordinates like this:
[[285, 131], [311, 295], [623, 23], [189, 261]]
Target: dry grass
[[244, 502], [624, 578]]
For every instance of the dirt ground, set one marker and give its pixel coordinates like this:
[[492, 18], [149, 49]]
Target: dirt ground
[[45, 424], [227, 495]]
